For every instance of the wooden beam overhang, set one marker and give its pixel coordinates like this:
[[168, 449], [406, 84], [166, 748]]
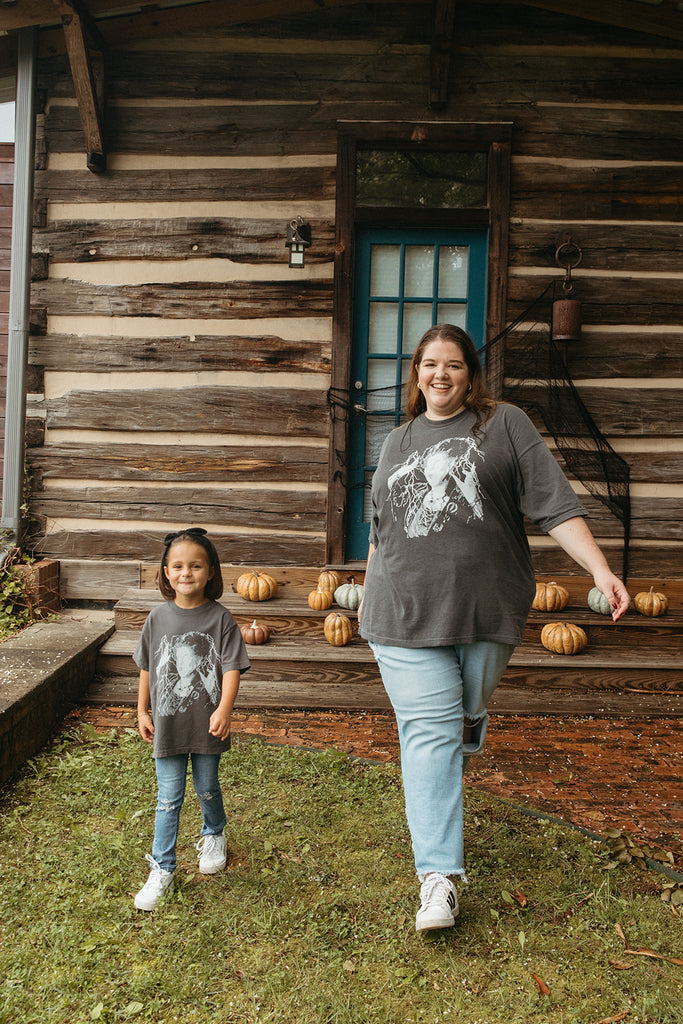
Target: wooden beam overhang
[[87, 70], [441, 52]]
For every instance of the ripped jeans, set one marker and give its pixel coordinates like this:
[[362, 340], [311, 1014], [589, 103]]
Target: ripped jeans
[[172, 779], [434, 691]]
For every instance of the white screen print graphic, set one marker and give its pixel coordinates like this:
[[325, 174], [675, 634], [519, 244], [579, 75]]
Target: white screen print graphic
[[186, 671], [432, 486]]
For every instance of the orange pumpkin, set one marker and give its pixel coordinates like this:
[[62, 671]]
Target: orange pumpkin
[[338, 629], [256, 586], [563, 638], [650, 602], [320, 599], [329, 580], [257, 633], [550, 597]]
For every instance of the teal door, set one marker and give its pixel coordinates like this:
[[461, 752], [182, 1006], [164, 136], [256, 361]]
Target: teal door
[[406, 281]]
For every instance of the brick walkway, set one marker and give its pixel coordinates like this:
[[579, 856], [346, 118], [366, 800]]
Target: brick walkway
[[593, 773]]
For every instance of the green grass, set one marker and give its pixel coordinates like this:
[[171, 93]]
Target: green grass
[[314, 919]]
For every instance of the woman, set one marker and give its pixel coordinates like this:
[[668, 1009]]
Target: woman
[[450, 582]]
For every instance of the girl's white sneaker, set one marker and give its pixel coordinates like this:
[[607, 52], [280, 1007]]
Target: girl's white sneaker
[[158, 884], [439, 907], [213, 854]]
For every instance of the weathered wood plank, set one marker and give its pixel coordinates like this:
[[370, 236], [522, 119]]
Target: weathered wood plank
[[292, 580], [105, 353], [238, 239], [189, 462], [202, 409], [225, 185], [261, 509], [222, 301], [96, 580], [666, 562], [614, 300], [138, 542], [628, 246], [618, 354], [626, 412], [651, 519]]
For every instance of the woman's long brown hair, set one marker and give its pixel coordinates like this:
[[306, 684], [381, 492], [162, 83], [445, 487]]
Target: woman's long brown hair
[[477, 398]]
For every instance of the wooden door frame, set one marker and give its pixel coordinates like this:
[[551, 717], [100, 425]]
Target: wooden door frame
[[495, 139]]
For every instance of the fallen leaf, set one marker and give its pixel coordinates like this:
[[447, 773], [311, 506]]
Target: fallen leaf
[[667, 976], [613, 1020], [520, 897], [656, 956], [620, 932], [621, 965], [289, 856], [350, 966], [543, 989]]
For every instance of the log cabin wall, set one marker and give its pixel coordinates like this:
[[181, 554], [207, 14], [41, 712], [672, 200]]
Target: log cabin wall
[[180, 367]]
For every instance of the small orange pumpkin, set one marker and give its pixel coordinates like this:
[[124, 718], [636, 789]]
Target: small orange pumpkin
[[550, 597], [257, 633], [650, 602], [338, 629], [329, 580], [320, 599], [563, 638], [256, 586]]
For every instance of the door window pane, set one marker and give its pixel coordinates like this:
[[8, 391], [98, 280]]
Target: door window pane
[[452, 313], [419, 271], [417, 318], [381, 385], [384, 270], [453, 268], [383, 327]]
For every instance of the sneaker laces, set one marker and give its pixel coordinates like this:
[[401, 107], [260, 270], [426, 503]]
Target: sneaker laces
[[433, 882], [206, 844], [156, 879]]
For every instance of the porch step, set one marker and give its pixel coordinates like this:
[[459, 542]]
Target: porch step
[[632, 667]]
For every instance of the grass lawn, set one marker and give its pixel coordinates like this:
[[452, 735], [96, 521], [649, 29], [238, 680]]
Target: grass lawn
[[313, 921]]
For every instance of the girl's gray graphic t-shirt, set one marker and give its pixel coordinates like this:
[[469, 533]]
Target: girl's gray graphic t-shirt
[[186, 651], [452, 562]]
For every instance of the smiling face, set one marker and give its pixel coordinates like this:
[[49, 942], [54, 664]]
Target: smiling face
[[443, 377], [187, 570]]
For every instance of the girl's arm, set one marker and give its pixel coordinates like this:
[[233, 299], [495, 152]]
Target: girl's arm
[[145, 723], [219, 723], [575, 537]]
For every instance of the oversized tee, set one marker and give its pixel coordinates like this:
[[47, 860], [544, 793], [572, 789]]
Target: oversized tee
[[186, 651], [452, 563]]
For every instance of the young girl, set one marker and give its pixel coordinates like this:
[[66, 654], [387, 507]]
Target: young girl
[[190, 656]]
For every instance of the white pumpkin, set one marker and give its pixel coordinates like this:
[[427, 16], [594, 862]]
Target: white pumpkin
[[597, 602], [349, 595]]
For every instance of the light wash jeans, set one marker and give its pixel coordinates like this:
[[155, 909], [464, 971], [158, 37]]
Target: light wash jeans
[[432, 690], [172, 779]]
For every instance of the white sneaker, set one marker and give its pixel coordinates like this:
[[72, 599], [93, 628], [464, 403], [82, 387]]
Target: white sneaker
[[158, 884], [212, 854], [439, 903]]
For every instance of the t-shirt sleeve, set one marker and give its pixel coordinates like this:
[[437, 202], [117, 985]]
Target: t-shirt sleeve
[[141, 653], [545, 495], [233, 650]]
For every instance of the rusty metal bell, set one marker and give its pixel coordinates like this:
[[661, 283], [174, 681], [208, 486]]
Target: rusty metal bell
[[566, 320]]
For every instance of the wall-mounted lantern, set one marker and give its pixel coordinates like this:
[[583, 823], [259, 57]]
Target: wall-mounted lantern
[[298, 239], [566, 320]]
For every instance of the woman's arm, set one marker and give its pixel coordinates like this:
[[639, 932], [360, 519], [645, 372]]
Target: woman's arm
[[371, 551], [145, 723], [575, 537], [219, 723]]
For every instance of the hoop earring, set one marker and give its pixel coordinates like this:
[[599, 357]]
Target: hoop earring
[[468, 389]]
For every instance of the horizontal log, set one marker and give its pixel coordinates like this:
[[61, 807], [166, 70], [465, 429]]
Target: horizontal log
[[617, 133], [182, 464], [646, 193], [210, 300], [260, 509], [651, 519], [96, 580], [104, 353], [665, 562], [618, 412], [626, 247], [614, 300], [252, 184], [238, 239], [596, 354], [281, 412], [148, 544]]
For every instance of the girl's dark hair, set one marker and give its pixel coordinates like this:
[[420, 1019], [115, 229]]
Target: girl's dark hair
[[477, 398], [195, 535]]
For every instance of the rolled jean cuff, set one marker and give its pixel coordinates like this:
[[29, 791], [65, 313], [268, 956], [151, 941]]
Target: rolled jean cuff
[[478, 727]]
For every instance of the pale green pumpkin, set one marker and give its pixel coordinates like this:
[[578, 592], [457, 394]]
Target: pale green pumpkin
[[349, 595], [597, 602]]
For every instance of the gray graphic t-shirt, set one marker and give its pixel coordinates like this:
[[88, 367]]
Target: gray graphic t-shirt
[[186, 651], [452, 562]]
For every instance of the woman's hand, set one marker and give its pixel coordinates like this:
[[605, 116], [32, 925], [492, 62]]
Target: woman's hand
[[145, 726], [615, 592]]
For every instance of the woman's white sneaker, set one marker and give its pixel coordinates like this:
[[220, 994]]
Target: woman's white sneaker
[[439, 903], [158, 884], [213, 854]]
